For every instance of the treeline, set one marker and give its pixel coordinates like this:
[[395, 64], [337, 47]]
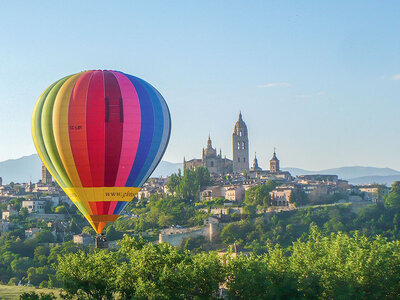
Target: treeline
[[338, 266], [283, 228]]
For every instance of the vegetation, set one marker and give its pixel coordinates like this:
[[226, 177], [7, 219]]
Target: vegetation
[[320, 267], [325, 252]]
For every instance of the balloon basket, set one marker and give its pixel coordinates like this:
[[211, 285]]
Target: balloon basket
[[101, 241]]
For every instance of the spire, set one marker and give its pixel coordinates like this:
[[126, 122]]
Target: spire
[[240, 115], [209, 145], [274, 156], [255, 162]]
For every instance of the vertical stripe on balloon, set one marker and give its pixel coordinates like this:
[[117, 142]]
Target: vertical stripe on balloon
[[48, 134], [114, 123], [77, 128], [132, 127], [61, 130], [95, 124], [146, 133], [157, 133]]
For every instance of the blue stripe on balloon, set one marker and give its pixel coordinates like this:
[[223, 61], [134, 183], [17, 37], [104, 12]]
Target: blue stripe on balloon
[[146, 131], [119, 207], [157, 133], [165, 136]]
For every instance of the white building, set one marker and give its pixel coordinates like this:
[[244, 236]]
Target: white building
[[83, 239], [34, 205]]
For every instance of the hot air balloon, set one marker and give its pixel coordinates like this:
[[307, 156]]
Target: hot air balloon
[[101, 134]]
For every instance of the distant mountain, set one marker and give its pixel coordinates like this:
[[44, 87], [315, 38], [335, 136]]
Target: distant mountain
[[21, 169], [166, 168], [30, 168], [347, 172], [387, 180]]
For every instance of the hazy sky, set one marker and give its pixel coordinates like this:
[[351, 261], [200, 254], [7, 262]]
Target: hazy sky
[[318, 80]]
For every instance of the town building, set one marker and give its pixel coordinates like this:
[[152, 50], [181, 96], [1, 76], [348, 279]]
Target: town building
[[34, 205], [46, 176], [255, 167], [274, 172], [280, 196], [235, 193], [83, 239], [30, 233]]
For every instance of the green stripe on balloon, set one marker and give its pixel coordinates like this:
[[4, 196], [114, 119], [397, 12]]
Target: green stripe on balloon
[[48, 134]]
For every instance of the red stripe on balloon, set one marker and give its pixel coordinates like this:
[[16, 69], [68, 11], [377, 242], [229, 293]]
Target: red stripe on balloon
[[77, 128], [131, 130], [95, 124], [93, 206], [100, 208], [114, 117]]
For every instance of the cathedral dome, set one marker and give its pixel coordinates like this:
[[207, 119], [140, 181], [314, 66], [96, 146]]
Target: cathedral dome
[[210, 151]]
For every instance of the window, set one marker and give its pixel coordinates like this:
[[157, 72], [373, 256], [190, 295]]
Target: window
[[238, 145], [244, 145], [212, 164], [244, 159], [238, 159]]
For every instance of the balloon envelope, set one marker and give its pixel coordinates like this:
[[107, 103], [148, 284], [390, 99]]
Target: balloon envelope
[[101, 134]]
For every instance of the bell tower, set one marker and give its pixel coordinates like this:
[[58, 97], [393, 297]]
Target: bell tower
[[274, 164], [240, 145]]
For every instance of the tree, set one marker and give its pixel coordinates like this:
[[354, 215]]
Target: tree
[[44, 237], [88, 276], [393, 199], [259, 195]]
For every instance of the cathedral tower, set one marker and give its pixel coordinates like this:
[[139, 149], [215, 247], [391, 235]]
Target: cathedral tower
[[274, 164], [240, 143]]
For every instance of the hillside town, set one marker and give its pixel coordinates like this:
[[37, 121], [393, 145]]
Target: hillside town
[[45, 202]]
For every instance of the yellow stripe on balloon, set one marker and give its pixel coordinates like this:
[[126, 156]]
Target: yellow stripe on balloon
[[61, 132], [103, 194]]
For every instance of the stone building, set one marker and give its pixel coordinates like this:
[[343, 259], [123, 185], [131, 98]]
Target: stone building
[[240, 145], [255, 167], [215, 163], [46, 176], [34, 205], [280, 196], [274, 164]]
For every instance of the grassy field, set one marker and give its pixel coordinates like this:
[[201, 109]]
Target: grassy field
[[12, 292]]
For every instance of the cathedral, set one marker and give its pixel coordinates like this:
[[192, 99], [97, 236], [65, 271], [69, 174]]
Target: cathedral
[[217, 164], [214, 162]]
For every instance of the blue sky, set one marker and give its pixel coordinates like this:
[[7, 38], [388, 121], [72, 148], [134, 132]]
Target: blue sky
[[318, 80]]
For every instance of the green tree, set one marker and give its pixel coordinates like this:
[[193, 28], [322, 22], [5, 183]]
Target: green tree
[[88, 276], [393, 199]]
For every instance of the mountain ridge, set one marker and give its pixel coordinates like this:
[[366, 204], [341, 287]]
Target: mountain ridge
[[28, 168]]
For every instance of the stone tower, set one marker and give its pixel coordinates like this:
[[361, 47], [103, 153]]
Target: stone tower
[[274, 164], [46, 176], [240, 143]]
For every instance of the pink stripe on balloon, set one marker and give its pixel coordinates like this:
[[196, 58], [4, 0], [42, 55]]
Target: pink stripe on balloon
[[131, 130], [111, 209]]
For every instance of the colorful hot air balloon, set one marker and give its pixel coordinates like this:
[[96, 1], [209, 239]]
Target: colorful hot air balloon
[[101, 134]]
